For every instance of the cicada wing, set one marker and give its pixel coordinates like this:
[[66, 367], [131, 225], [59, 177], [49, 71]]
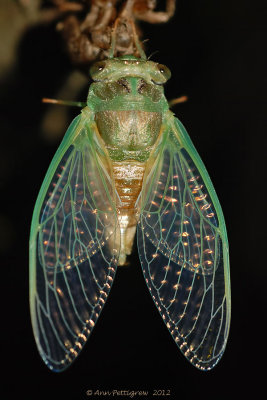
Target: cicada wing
[[73, 246], [183, 249]]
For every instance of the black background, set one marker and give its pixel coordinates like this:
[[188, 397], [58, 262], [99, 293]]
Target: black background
[[216, 51]]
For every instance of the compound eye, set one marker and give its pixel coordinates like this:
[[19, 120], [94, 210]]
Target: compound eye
[[164, 71], [97, 68]]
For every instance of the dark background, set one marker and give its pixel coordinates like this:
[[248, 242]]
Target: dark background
[[216, 51]]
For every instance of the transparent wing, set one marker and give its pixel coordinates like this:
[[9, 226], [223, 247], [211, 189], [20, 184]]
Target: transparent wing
[[73, 246], [184, 251]]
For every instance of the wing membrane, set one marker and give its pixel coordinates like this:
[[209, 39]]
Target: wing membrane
[[73, 246], [184, 252]]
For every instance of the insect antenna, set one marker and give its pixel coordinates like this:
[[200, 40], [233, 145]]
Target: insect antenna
[[152, 54]]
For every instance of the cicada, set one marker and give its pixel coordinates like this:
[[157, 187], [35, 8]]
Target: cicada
[[126, 164]]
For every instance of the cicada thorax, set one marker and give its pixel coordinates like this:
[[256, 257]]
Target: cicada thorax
[[129, 134]]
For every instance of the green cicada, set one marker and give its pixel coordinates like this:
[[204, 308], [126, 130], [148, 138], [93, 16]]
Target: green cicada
[[127, 163]]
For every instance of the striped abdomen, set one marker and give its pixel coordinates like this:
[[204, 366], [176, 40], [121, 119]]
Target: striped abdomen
[[128, 177]]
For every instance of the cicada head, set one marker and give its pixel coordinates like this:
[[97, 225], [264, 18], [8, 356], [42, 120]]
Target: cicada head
[[128, 83]]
